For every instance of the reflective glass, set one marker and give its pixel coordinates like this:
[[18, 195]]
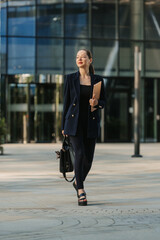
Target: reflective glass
[[20, 2], [71, 49], [21, 55], [105, 57], [124, 19], [3, 20], [104, 19], [76, 20], [3, 55], [152, 19], [49, 1], [21, 21], [3, 3], [152, 58], [126, 58], [49, 56], [77, 1], [49, 20], [149, 105], [117, 118]]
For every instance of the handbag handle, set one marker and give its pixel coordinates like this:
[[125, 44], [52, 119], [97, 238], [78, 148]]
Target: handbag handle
[[65, 177]]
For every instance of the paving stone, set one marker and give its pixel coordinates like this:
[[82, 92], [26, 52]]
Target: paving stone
[[123, 195]]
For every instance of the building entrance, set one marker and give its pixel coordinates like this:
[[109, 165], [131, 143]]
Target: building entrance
[[34, 112]]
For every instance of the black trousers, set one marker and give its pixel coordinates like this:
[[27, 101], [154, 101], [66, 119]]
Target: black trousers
[[84, 151]]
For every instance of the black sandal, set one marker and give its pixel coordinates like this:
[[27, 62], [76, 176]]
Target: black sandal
[[82, 201]]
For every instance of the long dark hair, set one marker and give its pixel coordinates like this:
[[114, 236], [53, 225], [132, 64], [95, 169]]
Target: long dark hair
[[89, 54]]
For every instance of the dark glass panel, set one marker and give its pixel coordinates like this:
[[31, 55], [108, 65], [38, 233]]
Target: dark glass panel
[[49, 56], [18, 93], [118, 114], [46, 109], [126, 58], [124, 19], [152, 19], [71, 49], [152, 59], [3, 55], [3, 22], [16, 127], [21, 55], [21, 21], [76, 20], [17, 109], [49, 20], [105, 57], [77, 1], [104, 19], [149, 109]]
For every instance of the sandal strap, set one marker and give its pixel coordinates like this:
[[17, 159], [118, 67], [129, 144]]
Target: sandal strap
[[82, 195]]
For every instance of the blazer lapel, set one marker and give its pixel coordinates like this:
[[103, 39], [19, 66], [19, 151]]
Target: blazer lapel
[[77, 84]]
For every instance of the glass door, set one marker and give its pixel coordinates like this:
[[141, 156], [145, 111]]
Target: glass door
[[44, 116], [151, 109], [158, 110], [34, 110], [17, 116], [118, 110], [118, 118]]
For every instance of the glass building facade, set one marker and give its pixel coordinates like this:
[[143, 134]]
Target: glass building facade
[[39, 42]]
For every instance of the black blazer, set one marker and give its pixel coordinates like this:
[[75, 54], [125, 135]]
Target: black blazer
[[71, 106]]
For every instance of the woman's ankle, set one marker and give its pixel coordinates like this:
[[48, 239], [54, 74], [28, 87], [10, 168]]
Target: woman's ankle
[[80, 191]]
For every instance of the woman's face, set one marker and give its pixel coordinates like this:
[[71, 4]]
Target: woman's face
[[82, 59]]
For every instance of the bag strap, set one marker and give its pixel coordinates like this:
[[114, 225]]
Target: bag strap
[[65, 177]]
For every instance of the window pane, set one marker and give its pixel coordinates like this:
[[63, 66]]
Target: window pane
[[105, 57], [48, 1], [152, 53], [76, 1], [21, 55], [71, 49], [126, 58], [49, 56], [3, 22], [21, 21], [3, 55], [103, 19], [20, 2], [124, 19], [152, 19], [76, 20], [49, 20]]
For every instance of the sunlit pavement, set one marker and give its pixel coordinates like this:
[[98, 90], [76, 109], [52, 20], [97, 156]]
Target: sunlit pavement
[[123, 195]]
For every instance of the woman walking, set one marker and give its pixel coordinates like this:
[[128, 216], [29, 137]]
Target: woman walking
[[79, 122]]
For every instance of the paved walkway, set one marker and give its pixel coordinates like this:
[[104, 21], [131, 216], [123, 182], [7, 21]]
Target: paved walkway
[[123, 195]]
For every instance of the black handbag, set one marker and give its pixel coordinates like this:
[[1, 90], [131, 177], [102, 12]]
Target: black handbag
[[66, 158]]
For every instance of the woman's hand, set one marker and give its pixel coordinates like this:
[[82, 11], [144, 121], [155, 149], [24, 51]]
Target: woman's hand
[[63, 133], [93, 101]]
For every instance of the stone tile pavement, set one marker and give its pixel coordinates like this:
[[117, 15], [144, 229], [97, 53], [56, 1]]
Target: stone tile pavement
[[123, 195]]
